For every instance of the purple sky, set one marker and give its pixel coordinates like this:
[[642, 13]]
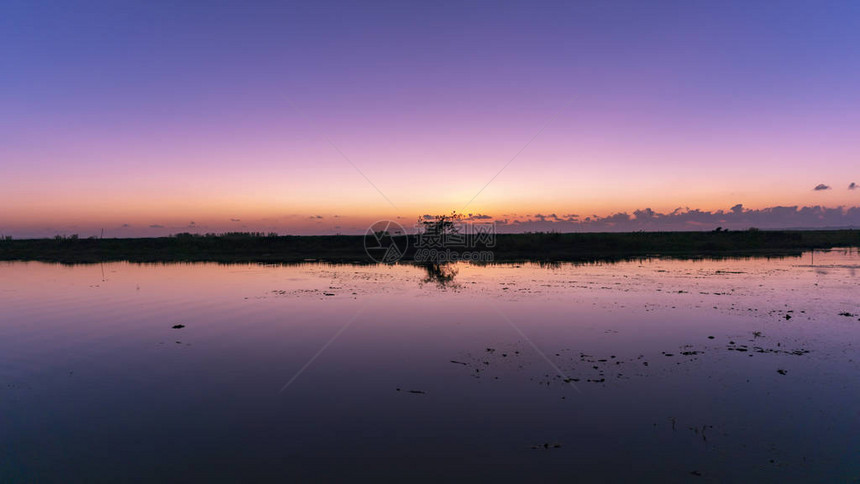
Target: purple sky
[[321, 117]]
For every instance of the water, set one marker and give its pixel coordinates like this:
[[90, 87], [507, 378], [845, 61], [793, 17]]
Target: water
[[646, 370]]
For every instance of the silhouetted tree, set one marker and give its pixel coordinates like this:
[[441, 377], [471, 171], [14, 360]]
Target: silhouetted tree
[[441, 224]]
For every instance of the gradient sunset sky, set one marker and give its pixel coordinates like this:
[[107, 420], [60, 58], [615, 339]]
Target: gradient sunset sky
[[150, 118]]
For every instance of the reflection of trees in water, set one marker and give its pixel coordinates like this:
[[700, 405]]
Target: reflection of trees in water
[[440, 274]]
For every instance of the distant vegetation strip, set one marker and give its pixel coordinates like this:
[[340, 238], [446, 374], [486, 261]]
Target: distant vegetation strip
[[548, 247]]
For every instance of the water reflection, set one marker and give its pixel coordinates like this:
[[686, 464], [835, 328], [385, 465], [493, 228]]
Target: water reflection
[[730, 370], [442, 275]]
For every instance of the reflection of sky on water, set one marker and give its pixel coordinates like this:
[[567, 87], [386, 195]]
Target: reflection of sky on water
[[677, 365]]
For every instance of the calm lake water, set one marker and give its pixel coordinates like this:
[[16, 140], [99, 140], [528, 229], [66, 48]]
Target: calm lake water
[[662, 370]]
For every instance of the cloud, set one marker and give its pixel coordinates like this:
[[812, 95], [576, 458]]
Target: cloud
[[235, 220], [478, 216], [316, 216], [852, 186], [555, 218], [644, 214], [821, 187], [125, 226], [685, 219], [156, 226]]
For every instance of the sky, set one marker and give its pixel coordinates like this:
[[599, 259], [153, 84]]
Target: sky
[[150, 118]]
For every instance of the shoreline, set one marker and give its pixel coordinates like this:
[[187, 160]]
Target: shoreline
[[529, 247]]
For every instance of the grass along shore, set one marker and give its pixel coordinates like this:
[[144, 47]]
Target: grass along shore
[[548, 247]]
